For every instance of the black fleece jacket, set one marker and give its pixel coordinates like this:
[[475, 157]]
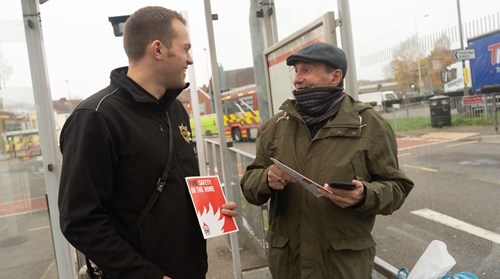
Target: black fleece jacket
[[115, 147]]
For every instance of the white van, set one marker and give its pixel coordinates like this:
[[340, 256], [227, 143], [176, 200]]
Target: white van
[[381, 101]]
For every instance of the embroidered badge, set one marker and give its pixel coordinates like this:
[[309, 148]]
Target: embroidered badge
[[185, 133]]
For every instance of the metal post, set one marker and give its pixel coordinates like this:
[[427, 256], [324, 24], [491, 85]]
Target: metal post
[[418, 55], [418, 60], [269, 20], [351, 83], [65, 260], [464, 66], [235, 249], [258, 48], [431, 84], [195, 106], [496, 107]]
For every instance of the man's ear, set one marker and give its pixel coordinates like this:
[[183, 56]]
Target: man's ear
[[156, 48], [336, 77]]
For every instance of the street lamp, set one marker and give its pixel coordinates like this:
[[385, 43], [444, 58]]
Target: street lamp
[[418, 54], [464, 66]]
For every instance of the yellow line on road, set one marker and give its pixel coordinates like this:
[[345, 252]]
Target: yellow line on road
[[38, 228], [404, 154], [462, 143], [485, 180], [420, 168]]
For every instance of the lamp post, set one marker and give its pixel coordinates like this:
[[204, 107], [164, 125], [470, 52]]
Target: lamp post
[[68, 101], [206, 64], [418, 54], [464, 66], [224, 154]]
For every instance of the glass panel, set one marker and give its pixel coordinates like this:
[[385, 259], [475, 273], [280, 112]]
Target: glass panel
[[448, 146], [26, 247]]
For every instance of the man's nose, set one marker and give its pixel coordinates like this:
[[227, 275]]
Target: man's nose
[[297, 79]]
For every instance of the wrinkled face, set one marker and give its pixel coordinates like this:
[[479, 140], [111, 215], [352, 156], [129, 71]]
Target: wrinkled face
[[176, 58], [310, 74]]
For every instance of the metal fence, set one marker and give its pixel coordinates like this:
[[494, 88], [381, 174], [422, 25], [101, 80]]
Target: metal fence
[[477, 109], [252, 220]]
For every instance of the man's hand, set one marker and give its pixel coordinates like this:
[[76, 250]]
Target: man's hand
[[277, 179], [229, 209], [345, 198]]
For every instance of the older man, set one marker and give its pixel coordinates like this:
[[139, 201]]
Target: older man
[[327, 136]]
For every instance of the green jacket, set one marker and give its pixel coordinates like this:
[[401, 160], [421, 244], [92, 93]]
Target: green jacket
[[312, 237]]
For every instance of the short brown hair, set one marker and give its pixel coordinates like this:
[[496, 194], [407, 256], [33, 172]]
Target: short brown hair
[[146, 25]]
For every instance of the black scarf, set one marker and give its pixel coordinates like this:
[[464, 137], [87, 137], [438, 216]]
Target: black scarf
[[318, 105]]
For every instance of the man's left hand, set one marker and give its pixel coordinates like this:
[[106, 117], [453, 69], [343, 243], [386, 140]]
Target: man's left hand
[[229, 209], [345, 198]]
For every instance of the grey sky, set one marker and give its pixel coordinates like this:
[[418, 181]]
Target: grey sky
[[81, 49]]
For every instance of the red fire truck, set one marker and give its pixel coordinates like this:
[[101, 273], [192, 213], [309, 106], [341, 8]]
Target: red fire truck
[[241, 113]]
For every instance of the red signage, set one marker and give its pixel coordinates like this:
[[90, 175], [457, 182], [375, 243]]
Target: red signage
[[473, 100]]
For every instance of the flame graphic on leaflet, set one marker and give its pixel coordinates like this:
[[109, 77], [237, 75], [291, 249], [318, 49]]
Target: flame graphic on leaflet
[[208, 198], [210, 221]]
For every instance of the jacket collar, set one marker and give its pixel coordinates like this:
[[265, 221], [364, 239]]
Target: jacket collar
[[119, 78], [348, 121]]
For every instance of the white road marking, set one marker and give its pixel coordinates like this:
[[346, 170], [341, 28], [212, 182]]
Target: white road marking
[[420, 168], [462, 143], [457, 224]]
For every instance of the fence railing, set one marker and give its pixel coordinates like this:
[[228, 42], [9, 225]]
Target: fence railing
[[482, 109]]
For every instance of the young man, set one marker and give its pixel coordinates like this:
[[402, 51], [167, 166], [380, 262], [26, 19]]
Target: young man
[[116, 145], [327, 136]]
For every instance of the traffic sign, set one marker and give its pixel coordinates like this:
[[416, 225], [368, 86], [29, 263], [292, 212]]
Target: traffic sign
[[464, 54]]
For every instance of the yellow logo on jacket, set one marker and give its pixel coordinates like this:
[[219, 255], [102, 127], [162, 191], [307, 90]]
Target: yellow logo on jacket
[[185, 133]]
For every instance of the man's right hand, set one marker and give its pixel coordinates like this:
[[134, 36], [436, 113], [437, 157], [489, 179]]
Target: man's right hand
[[277, 179]]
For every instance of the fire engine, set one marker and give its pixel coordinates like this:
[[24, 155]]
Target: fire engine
[[241, 113]]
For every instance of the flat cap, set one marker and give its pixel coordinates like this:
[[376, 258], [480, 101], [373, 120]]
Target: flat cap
[[321, 52]]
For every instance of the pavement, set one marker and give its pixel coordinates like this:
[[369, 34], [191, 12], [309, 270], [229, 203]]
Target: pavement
[[220, 261], [452, 131], [414, 138]]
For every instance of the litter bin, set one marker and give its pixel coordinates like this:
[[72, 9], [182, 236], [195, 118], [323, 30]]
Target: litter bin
[[440, 111]]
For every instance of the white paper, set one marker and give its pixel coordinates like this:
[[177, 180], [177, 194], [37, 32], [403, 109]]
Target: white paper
[[434, 263], [307, 183]]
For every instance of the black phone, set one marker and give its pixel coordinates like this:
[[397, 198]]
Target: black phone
[[342, 185]]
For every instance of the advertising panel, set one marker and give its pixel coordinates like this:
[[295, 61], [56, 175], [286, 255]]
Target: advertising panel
[[279, 76], [485, 68]]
